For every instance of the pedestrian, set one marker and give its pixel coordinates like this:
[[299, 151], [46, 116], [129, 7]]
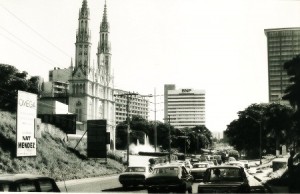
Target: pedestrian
[[291, 169]]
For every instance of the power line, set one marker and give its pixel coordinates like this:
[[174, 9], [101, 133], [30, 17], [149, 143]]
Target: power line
[[40, 55], [32, 29]]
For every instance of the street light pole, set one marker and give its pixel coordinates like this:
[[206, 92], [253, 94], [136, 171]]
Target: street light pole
[[155, 128], [260, 142]]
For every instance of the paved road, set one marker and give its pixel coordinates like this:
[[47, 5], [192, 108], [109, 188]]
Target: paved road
[[111, 184]]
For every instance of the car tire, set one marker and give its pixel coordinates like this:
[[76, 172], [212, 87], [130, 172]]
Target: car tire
[[125, 186], [190, 190]]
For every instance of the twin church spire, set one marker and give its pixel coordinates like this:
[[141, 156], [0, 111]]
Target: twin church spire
[[83, 42]]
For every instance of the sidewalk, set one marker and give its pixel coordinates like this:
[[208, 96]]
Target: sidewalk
[[265, 172]]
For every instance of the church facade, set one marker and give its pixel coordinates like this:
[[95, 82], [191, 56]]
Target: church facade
[[91, 86]]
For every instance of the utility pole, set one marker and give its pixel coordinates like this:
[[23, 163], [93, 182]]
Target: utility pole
[[128, 97], [169, 139], [155, 127]]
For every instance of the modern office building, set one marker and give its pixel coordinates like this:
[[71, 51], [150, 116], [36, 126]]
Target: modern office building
[[184, 107], [283, 44], [138, 105]]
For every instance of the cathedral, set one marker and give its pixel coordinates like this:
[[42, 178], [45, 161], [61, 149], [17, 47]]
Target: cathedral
[[91, 86]]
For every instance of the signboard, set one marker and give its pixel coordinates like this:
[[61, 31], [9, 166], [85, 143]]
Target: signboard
[[96, 139], [66, 122], [26, 114]]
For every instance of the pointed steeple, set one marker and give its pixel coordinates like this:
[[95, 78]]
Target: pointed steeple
[[104, 24]]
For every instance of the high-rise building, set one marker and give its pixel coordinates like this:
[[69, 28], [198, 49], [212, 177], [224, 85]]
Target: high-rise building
[[91, 87], [138, 105], [184, 107], [283, 44]]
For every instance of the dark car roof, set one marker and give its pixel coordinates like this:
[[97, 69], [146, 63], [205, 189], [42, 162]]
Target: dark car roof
[[16, 177], [225, 166]]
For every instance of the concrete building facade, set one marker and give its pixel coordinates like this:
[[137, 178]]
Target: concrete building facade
[[283, 44], [138, 105], [184, 107]]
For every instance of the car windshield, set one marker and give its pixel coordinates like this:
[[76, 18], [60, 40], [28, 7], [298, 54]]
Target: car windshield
[[166, 170], [224, 174], [135, 169]]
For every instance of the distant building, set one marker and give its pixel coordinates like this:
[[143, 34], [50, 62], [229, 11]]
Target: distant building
[[217, 135], [138, 106], [185, 107], [58, 85], [283, 45]]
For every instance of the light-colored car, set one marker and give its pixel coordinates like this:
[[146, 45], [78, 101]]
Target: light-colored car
[[134, 175], [169, 178], [198, 169], [224, 179], [27, 183]]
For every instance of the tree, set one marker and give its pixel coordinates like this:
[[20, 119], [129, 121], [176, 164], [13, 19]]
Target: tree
[[243, 133], [11, 80], [292, 92], [273, 121], [278, 123]]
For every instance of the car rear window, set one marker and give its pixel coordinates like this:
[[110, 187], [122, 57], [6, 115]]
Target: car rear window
[[136, 169], [166, 170], [27, 186], [200, 166], [46, 185], [225, 174]]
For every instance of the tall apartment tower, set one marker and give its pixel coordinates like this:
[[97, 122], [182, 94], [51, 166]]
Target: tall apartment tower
[[91, 87], [184, 107], [138, 106], [283, 44]]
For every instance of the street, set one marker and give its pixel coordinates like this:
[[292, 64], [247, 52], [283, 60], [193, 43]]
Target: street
[[111, 184]]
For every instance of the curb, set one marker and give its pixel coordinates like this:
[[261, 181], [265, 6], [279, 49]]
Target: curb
[[264, 184]]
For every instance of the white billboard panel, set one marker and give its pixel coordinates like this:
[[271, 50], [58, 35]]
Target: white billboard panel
[[26, 113]]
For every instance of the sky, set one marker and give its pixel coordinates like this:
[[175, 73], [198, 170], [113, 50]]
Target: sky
[[215, 45]]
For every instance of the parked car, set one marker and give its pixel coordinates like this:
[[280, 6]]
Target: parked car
[[169, 178], [224, 179], [134, 175], [199, 169], [27, 183]]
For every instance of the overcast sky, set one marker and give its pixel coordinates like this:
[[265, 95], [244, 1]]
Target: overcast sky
[[218, 46]]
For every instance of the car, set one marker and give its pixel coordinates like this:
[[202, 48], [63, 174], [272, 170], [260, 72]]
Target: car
[[194, 160], [27, 183], [199, 169], [224, 179], [134, 175], [215, 162], [169, 178], [236, 163]]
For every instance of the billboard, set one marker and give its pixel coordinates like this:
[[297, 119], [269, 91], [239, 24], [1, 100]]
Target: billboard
[[26, 114], [96, 138], [66, 122]]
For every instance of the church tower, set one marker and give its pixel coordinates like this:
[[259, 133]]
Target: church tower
[[104, 67], [91, 87]]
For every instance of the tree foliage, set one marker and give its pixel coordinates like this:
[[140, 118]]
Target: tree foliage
[[272, 122], [198, 137], [11, 80], [292, 92]]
